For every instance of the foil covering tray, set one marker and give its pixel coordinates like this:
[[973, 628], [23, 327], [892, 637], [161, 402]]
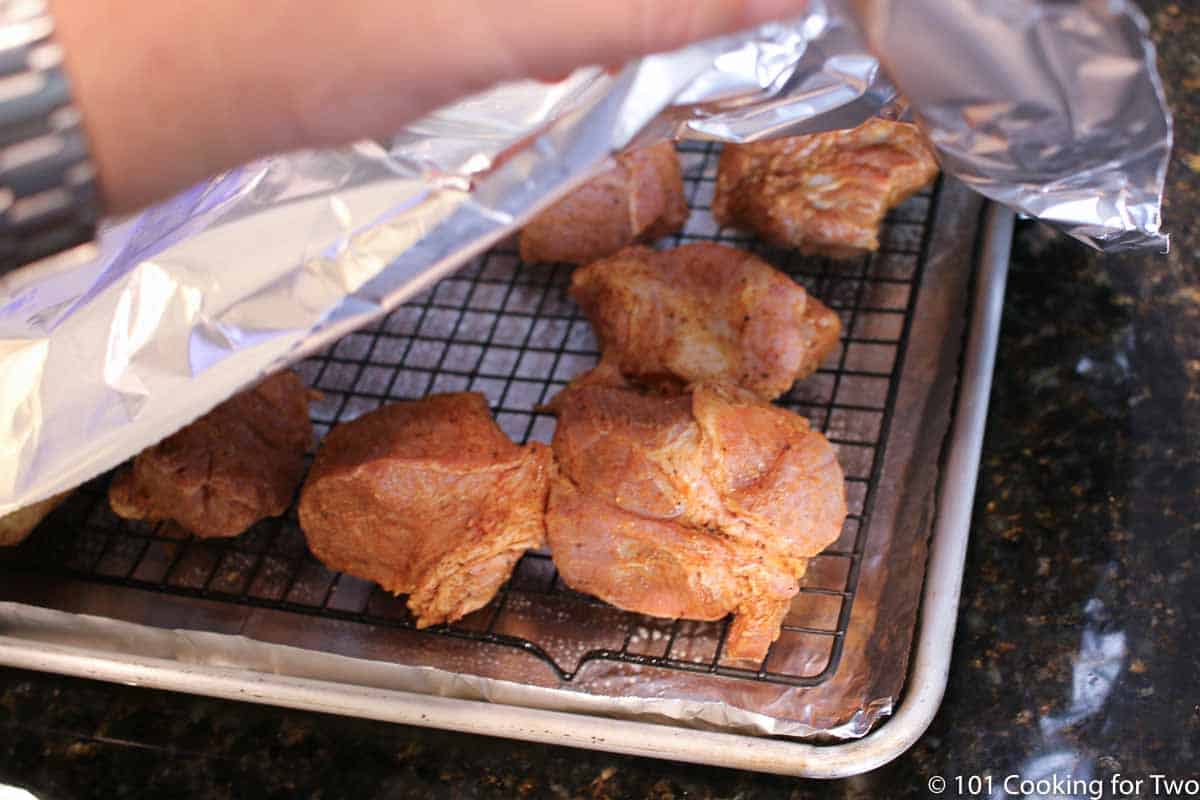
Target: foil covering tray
[[257, 617]]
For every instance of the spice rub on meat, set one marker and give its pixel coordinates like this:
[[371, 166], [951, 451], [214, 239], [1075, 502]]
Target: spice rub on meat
[[427, 498], [239, 463], [704, 312], [15, 526], [824, 193], [694, 505], [639, 199]]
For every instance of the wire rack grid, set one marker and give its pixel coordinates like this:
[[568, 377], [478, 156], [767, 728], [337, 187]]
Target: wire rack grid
[[508, 330]]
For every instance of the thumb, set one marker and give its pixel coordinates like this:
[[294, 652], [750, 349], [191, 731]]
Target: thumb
[[542, 38], [218, 84], [402, 63]]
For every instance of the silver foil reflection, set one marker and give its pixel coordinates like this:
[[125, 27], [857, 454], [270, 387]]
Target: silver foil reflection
[[1052, 108]]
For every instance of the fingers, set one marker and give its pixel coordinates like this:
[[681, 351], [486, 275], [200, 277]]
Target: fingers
[[175, 90], [403, 59], [548, 37]]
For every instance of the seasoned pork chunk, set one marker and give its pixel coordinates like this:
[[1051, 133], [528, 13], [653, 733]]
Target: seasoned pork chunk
[[704, 312], [427, 498], [825, 193], [639, 199], [239, 463], [695, 505], [17, 525]]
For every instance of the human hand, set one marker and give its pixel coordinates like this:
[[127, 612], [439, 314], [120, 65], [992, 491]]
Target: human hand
[[175, 90]]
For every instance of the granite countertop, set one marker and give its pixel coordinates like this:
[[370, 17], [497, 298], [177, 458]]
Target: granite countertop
[[1076, 651]]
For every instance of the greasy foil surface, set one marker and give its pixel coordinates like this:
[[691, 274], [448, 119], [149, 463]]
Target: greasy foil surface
[[1052, 107]]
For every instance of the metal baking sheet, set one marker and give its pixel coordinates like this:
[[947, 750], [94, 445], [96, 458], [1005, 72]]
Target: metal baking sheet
[[508, 330]]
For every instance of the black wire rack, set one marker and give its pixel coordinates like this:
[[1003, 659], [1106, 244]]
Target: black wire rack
[[510, 331]]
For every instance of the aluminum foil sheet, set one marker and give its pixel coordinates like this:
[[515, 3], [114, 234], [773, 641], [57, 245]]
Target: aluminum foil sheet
[[1054, 108]]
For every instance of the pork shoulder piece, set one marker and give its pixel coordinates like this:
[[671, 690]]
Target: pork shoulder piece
[[702, 312], [427, 498], [696, 505], [16, 525], [824, 193], [639, 199], [238, 464]]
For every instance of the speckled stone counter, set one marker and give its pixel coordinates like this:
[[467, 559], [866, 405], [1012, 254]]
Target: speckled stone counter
[[1078, 644]]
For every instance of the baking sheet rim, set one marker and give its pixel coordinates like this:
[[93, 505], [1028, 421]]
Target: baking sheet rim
[[925, 688]]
